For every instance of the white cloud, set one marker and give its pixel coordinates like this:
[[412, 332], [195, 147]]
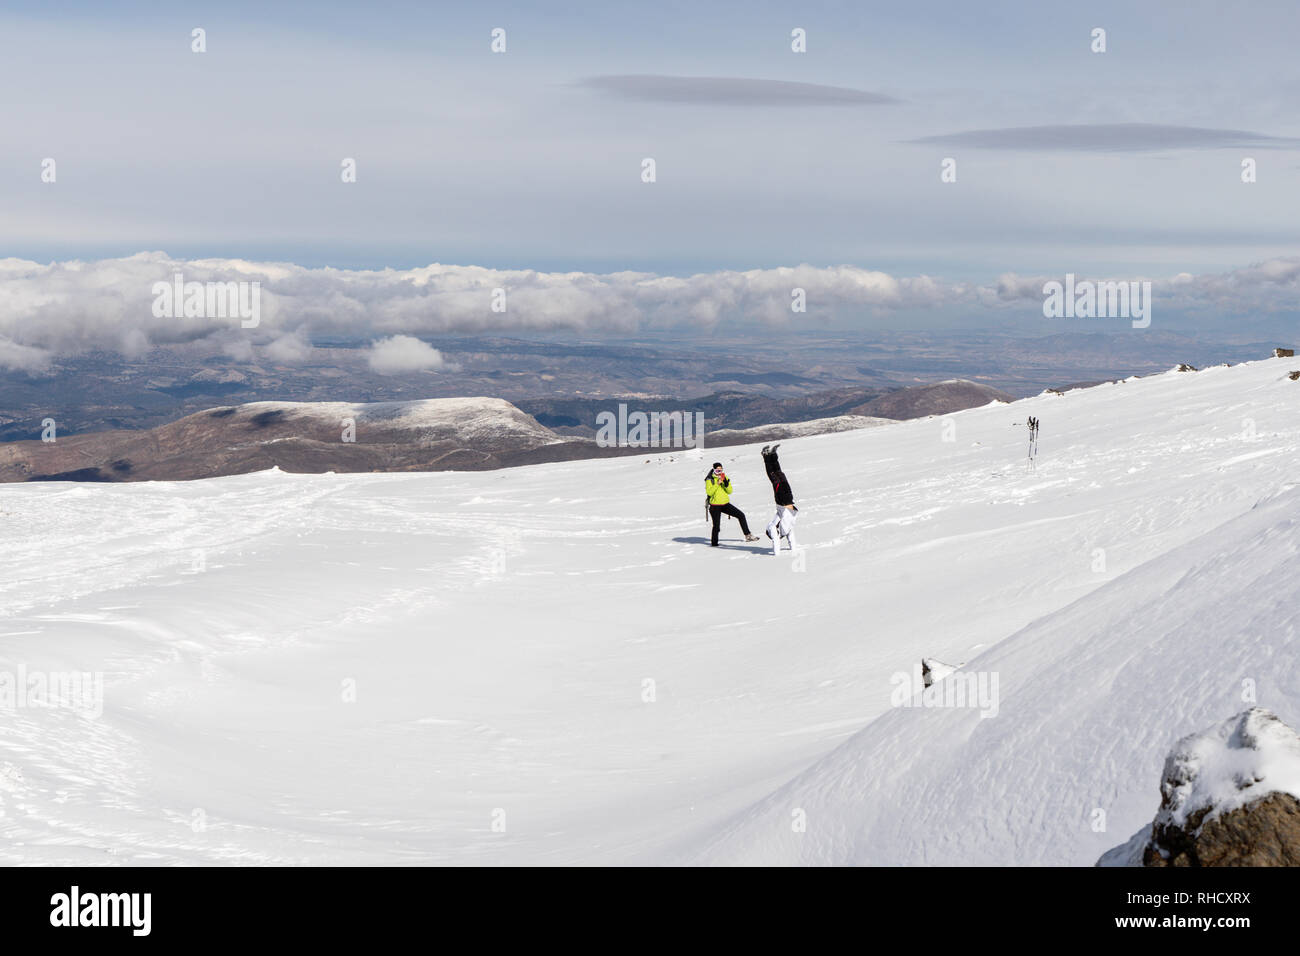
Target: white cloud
[[22, 358], [288, 349], [403, 353], [70, 307], [239, 349]]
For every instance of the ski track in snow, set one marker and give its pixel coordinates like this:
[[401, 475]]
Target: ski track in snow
[[500, 633]]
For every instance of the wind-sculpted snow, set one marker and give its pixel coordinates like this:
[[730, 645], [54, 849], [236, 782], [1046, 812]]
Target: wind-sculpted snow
[[1092, 699], [548, 664]]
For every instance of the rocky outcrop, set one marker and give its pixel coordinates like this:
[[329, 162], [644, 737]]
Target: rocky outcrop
[[1228, 797], [933, 670], [1265, 833]]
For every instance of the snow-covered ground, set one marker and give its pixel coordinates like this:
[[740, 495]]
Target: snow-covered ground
[[549, 665]]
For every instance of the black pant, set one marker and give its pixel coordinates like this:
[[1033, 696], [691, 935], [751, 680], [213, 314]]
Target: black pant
[[772, 465], [717, 511]]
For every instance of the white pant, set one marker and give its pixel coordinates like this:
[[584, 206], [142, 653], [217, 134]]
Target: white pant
[[782, 523]]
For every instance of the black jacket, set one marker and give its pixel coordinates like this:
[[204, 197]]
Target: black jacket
[[781, 489]]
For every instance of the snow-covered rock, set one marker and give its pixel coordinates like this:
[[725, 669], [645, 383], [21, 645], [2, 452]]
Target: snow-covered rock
[[935, 670], [1230, 796]]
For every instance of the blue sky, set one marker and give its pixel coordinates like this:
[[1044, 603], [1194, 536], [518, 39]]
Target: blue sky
[[516, 161]]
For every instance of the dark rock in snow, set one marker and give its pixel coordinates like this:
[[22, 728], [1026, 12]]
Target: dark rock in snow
[[1229, 796]]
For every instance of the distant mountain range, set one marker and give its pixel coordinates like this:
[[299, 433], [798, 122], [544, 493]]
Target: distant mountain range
[[445, 434], [448, 434], [746, 378]]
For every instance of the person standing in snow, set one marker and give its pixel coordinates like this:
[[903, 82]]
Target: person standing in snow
[[717, 490], [782, 523]]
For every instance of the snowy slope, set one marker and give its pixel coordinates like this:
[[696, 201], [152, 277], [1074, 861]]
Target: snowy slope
[[1091, 700], [500, 632]]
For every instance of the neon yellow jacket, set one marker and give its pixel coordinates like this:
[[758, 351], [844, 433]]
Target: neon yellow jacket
[[719, 492]]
